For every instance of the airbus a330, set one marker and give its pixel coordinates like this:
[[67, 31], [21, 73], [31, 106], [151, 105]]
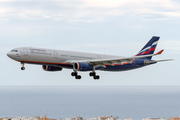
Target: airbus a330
[[56, 60]]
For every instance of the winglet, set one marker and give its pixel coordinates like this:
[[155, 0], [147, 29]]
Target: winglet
[[159, 52]]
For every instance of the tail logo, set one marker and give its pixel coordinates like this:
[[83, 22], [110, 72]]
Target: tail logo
[[148, 50], [150, 47]]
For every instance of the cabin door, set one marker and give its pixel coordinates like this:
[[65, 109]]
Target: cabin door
[[25, 51], [55, 54]]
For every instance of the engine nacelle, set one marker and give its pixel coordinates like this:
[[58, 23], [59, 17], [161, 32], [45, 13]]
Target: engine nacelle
[[51, 68], [80, 66]]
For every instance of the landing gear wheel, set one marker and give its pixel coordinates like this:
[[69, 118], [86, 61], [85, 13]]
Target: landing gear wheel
[[74, 74], [92, 74], [22, 68], [96, 77], [78, 77]]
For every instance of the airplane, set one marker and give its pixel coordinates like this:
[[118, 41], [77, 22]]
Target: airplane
[[56, 60]]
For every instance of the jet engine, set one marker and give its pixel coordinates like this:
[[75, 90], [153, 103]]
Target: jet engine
[[80, 66], [51, 68]]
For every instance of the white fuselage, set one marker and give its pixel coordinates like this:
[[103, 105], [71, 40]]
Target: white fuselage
[[45, 56]]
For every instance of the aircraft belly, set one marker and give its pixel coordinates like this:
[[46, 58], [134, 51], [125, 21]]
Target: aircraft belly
[[121, 67], [66, 66]]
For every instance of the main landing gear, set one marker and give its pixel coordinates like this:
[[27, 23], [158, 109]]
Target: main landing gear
[[92, 74], [96, 77], [76, 75], [22, 68]]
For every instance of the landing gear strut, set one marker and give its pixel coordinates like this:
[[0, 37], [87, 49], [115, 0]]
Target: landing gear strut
[[96, 77], [76, 75], [22, 68]]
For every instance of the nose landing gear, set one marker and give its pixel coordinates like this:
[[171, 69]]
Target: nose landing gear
[[22, 68]]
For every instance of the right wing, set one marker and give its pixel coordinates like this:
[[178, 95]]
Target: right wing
[[112, 61]]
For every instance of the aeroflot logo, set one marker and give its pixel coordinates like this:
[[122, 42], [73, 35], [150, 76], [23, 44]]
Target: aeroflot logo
[[37, 50]]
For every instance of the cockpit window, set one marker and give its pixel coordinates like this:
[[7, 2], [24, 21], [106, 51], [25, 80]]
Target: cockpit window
[[14, 50]]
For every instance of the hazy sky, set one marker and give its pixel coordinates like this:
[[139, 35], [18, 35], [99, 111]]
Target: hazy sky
[[118, 27]]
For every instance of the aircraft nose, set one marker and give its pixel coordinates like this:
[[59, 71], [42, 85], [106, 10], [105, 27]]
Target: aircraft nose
[[9, 54]]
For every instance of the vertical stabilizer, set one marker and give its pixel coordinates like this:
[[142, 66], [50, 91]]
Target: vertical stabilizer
[[150, 47]]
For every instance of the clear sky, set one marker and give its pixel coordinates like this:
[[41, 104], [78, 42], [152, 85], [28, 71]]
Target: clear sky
[[117, 27]]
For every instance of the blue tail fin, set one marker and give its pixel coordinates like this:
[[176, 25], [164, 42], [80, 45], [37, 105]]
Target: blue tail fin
[[150, 47]]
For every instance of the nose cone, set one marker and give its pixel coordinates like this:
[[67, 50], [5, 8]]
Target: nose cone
[[8, 54]]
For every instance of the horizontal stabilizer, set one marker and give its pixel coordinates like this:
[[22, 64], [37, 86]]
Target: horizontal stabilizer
[[159, 52], [155, 61], [164, 60]]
